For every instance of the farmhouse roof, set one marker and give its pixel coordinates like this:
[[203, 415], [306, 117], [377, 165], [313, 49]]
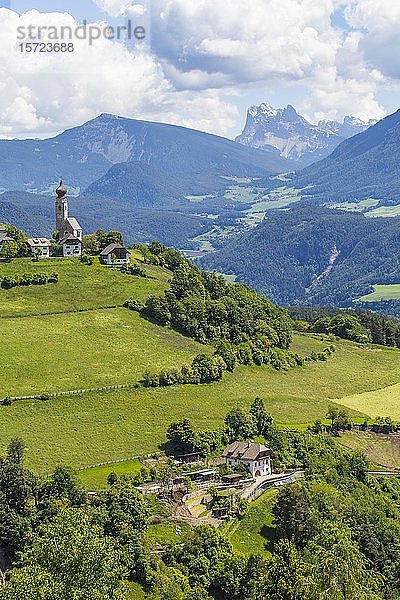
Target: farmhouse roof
[[69, 239], [42, 242], [111, 248], [246, 451], [3, 235]]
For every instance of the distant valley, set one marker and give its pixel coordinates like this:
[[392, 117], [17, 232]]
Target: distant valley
[[260, 217]]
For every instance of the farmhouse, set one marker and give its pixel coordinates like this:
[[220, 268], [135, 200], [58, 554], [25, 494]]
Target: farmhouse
[[39, 246], [71, 245], [255, 457], [115, 254]]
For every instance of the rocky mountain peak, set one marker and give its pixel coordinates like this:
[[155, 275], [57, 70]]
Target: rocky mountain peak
[[293, 135]]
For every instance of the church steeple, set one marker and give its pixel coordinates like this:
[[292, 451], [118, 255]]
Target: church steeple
[[61, 208]]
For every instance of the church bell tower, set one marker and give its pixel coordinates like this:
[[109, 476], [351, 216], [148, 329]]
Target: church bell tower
[[61, 208]]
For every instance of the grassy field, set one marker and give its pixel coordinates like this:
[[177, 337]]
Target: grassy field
[[96, 477], [358, 206], [86, 429], [115, 346], [85, 350], [255, 533], [382, 292], [166, 533], [377, 403], [385, 211], [79, 287]]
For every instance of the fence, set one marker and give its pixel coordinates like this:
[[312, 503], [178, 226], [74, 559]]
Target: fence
[[71, 392]]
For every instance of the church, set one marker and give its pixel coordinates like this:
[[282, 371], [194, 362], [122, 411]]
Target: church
[[68, 228]]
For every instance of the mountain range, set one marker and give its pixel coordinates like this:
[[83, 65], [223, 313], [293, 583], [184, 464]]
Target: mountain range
[[294, 136], [84, 154]]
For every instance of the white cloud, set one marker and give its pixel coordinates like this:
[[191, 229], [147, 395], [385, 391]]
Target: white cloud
[[268, 43], [247, 42], [114, 8], [45, 93], [380, 42], [201, 52]]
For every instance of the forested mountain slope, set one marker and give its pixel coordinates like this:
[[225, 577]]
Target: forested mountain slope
[[364, 166], [313, 255]]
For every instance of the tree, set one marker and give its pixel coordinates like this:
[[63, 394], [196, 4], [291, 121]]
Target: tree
[[203, 553], [239, 425], [262, 419], [8, 250], [339, 418], [227, 352], [16, 451], [63, 484], [288, 576], [125, 507], [294, 515], [340, 569], [38, 254], [69, 558], [209, 368], [181, 437]]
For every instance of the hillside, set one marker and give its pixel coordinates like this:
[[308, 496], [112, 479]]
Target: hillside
[[93, 346], [313, 255], [364, 166], [85, 153]]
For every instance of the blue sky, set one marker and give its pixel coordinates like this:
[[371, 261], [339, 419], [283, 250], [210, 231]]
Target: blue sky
[[207, 62]]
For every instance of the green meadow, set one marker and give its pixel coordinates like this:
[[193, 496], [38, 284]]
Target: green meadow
[[94, 427], [255, 533], [95, 478], [382, 292], [85, 350], [100, 347], [79, 287]]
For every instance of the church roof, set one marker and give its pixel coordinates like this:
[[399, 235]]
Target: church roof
[[73, 222], [61, 191]]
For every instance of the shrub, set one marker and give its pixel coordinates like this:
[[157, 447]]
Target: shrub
[[25, 279]]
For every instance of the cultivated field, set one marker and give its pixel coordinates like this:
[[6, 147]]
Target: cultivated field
[[382, 450], [381, 402]]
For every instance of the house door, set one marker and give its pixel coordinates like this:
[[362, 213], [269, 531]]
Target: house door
[[258, 473]]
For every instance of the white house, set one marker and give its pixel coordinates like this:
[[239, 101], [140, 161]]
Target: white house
[[41, 245], [4, 237], [71, 246], [255, 457], [115, 254]]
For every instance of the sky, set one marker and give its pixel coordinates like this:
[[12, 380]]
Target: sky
[[202, 62]]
